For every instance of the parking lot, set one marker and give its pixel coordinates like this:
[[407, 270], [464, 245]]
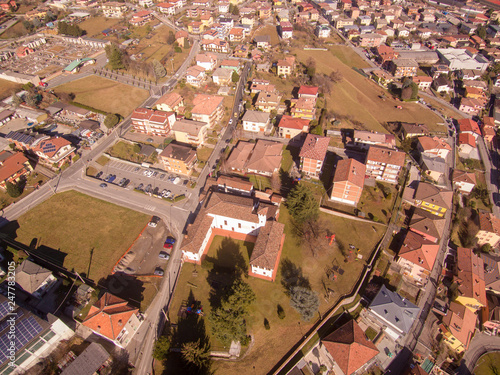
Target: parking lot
[[143, 257], [148, 180]]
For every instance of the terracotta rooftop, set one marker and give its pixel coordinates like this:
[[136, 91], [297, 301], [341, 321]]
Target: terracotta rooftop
[[461, 322], [235, 182], [206, 104], [468, 125], [195, 71], [470, 275], [314, 147], [239, 155], [51, 146], [385, 155], [206, 57], [419, 251], [425, 222], [290, 122], [266, 156], [466, 139], [433, 143], [11, 163], [308, 90], [170, 99], [109, 315], [268, 245], [179, 152], [349, 347], [489, 223], [463, 176], [350, 170]]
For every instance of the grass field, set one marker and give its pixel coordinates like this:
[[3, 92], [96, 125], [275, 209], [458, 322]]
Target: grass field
[[204, 153], [297, 259], [488, 364], [94, 25], [14, 31], [8, 88], [357, 98], [106, 95], [74, 225], [271, 31]]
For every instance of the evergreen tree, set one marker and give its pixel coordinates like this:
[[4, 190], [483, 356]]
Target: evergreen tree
[[197, 354], [302, 205], [13, 190], [159, 69], [305, 301], [115, 56], [161, 348]]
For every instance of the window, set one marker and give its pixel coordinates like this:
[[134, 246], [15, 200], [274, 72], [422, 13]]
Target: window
[[225, 222], [239, 225]]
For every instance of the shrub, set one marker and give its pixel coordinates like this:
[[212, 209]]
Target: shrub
[[13, 190], [281, 312], [266, 324]]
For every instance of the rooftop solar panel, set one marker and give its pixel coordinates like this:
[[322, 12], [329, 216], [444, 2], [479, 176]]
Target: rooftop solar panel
[[26, 330], [4, 309]]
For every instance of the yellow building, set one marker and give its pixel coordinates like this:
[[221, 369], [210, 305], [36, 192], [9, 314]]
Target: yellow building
[[178, 158], [189, 131], [470, 279], [458, 327]]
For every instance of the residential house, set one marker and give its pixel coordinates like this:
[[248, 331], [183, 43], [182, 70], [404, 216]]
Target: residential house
[[54, 151], [141, 18], [435, 168], [423, 82], [416, 257], [349, 348], [256, 121], [304, 107], [370, 40], [463, 181], [308, 92], [285, 67], [433, 147], [488, 128], [267, 101], [195, 75], [468, 126], [215, 45], [166, 8], [235, 185], [170, 102], [222, 76], [441, 84], [427, 225], [262, 41], [241, 218], [207, 61], [291, 127], [322, 31], [474, 93], [208, 108], [34, 279], [382, 77], [432, 198], [467, 148], [236, 34], [93, 358], [404, 68], [259, 85], [114, 319], [458, 327], [286, 30], [470, 279], [178, 158], [395, 313], [363, 139], [149, 121], [195, 27], [489, 229], [263, 157], [189, 131], [410, 130], [384, 164], [312, 155], [348, 182], [114, 9], [471, 106], [182, 38], [13, 168]]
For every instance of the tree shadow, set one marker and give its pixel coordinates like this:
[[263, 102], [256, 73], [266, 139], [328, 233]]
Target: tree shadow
[[226, 267], [291, 275], [286, 182], [124, 286]]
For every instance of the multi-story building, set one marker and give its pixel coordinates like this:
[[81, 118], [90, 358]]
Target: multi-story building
[[404, 68], [384, 164], [489, 229], [178, 158], [304, 107], [312, 155], [433, 147], [208, 60], [291, 127], [267, 101], [13, 167], [195, 75], [458, 59], [152, 122], [114, 9], [189, 131], [363, 139], [348, 182], [432, 198], [464, 181], [170, 102], [285, 67], [208, 108], [54, 152], [255, 121]]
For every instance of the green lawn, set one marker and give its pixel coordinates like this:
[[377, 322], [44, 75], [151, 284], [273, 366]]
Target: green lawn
[[204, 153], [125, 151], [259, 182], [71, 226], [488, 364]]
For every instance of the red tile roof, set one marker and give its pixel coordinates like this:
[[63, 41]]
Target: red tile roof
[[468, 125], [109, 315], [349, 347], [466, 139], [290, 122], [470, 273], [314, 147], [45, 145], [385, 155], [308, 90], [419, 251], [350, 170]]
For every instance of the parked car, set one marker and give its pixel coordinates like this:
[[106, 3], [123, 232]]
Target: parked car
[[103, 185], [141, 185], [112, 178], [176, 180], [125, 184], [148, 188], [162, 176], [159, 272], [108, 177], [170, 240], [136, 169], [99, 174], [154, 221], [155, 174], [164, 255], [122, 181], [145, 173], [168, 246]]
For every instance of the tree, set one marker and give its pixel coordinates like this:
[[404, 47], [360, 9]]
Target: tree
[[111, 120], [196, 354], [233, 9], [31, 100], [302, 205], [406, 93], [235, 77], [68, 29], [305, 301], [281, 312], [267, 326], [335, 76], [486, 248], [170, 37], [13, 190], [159, 69], [161, 348], [481, 32], [115, 56], [16, 100]]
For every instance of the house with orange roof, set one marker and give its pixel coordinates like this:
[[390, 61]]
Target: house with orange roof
[[195, 75], [464, 181], [471, 106], [308, 92], [53, 152], [285, 67], [141, 18], [433, 147], [303, 107], [474, 93], [384, 164], [208, 108], [470, 279], [348, 182], [152, 122], [236, 34], [489, 229], [349, 348], [423, 82], [114, 319], [195, 27], [170, 102], [13, 168], [467, 147], [385, 54], [182, 38], [458, 327], [166, 8], [416, 257], [291, 127], [468, 126], [206, 60], [312, 155], [216, 45]]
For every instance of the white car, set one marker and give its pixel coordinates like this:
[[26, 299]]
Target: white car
[[177, 180]]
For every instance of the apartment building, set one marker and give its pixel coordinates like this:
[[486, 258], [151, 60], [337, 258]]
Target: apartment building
[[348, 182], [152, 122], [384, 164], [312, 155]]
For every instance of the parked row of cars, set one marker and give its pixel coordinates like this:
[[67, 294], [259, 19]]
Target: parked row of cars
[[110, 178], [155, 191]]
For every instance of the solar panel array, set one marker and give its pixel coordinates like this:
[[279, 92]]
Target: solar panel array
[[5, 323], [26, 330], [4, 309], [20, 137], [48, 147]]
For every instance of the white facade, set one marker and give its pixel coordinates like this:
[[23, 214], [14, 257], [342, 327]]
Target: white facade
[[146, 3], [287, 34], [261, 271], [170, 10], [459, 59], [195, 80], [254, 126], [208, 65], [464, 187], [128, 331], [415, 271]]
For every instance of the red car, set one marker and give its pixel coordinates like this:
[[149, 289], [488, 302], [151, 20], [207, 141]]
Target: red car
[[167, 245]]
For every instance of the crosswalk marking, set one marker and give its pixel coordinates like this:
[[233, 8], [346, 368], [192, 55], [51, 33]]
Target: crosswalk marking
[[150, 208]]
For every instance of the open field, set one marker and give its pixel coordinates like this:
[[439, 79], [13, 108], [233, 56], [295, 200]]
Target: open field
[[95, 25], [348, 56], [14, 31], [443, 109], [8, 88], [86, 234], [356, 98], [271, 31], [488, 364], [297, 261], [106, 95]]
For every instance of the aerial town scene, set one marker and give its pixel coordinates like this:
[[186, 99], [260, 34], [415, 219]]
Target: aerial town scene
[[282, 187]]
